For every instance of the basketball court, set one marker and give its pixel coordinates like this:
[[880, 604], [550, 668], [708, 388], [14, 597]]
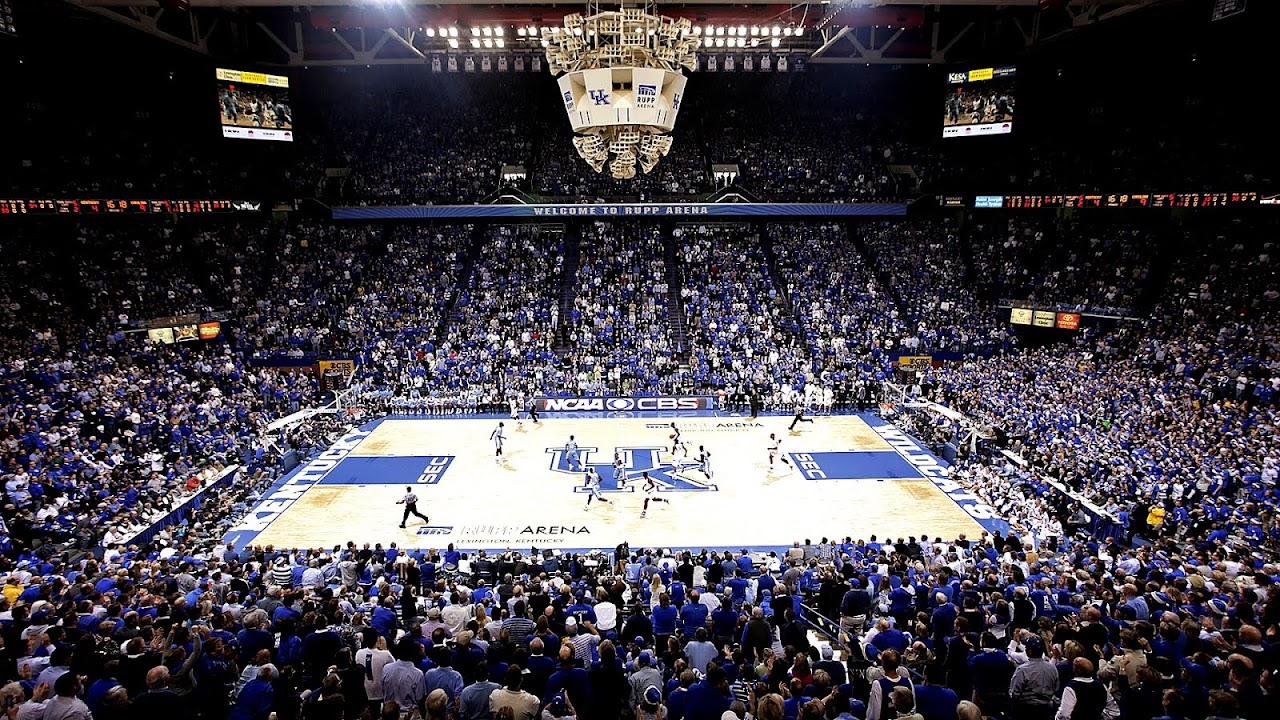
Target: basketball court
[[848, 475]]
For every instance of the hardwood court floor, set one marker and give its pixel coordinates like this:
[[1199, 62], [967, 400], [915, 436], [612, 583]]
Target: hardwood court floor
[[851, 482]]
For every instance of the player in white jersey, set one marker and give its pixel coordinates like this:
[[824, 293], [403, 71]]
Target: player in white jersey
[[680, 458], [704, 461], [675, 438], [592, 484], [650, 489], [775, 450], [515, 411], [571, 454], [497, 436], [619, 471]]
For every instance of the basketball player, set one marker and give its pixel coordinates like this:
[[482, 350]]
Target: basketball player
[[497, 437], [704, 461], [675, 438], [410, 503], [282, 115], [953, 107], [775, 447], [593, 486], [515, 411], [1004, 107], [680, 458], [650, 489], [229, 107], [571, 454], [799, 413], [619, 472]]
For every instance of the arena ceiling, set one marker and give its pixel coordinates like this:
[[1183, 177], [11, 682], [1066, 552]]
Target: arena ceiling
[[408, 32]]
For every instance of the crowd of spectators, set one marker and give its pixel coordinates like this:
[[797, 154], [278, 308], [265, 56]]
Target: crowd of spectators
[[410, 139], [924, 264], [500, 339], [1064, 265], [620, 324], [414, 139], [137, 271], [1165, 426], [318, 269], [103, 435], [920, 627], [741, 331], [850, 322]]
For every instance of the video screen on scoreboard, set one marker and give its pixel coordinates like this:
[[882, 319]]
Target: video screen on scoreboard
[[979, 102], [254, 106]]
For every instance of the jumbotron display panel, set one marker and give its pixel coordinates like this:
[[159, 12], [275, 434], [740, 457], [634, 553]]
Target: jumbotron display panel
[[254, 106], [979, 102]]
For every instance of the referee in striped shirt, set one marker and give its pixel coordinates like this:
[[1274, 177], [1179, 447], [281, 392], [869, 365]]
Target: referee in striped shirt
[[410, 503]]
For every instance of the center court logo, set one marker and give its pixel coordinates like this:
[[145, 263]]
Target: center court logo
[[635, 460]]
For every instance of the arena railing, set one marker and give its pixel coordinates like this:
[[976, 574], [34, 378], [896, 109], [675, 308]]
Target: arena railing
[[1104, 523]]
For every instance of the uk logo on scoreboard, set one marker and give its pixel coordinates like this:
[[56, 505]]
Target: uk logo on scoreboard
[[601, 97]]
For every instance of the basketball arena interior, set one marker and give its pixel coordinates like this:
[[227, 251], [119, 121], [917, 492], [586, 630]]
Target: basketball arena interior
[[695, 360]]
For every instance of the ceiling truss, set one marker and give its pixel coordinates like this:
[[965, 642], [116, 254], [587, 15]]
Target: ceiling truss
[[939, 31]]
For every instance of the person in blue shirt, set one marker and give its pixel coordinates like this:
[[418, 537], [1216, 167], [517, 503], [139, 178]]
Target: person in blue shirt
[[765, 582], [664, 620], [991, 671], [385, 620], [708, 699], [943, 620], [888, 637], [256, 699], [693, 614], [286, 612], [737, 588], [570, 679], [724, 624]]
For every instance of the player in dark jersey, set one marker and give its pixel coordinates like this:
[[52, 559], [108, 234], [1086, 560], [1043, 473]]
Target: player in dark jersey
[[1004, 106]]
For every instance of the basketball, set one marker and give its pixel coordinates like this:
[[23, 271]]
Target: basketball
[[671, 436]]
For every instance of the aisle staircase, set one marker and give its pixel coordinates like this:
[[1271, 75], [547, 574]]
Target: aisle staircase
[[675, 306], [779, 280], [883, 278], [479, 237], [569, 283]]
